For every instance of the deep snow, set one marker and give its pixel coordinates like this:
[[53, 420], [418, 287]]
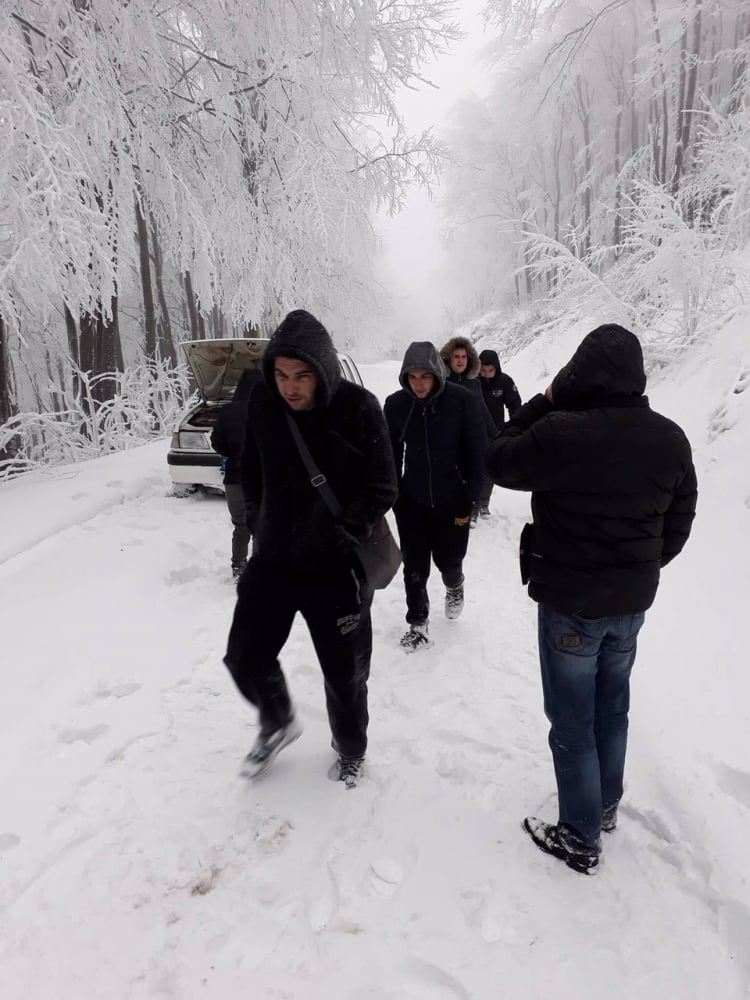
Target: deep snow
[[135, 863]]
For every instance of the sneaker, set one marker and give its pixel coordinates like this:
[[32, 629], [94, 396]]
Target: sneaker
[[547, 837], [609, 818], [474, 516], [454, 601], [267, 747], [415, 638], [350, 770], [484, 512]]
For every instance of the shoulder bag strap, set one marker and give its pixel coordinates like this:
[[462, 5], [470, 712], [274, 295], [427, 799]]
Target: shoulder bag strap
[[317, 479]]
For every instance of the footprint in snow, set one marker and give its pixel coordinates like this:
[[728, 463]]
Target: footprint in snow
[[8, 841], [90, 735]]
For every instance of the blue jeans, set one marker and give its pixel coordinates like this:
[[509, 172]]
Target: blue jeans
[[586, 666]]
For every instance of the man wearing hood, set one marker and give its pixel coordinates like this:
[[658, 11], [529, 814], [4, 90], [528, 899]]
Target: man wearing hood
[[462, 368], [613, 499], [437, 435], [303, 558], [500, 394]]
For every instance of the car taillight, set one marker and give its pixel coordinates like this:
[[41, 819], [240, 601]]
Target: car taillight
[[175, 440], [194, 441]]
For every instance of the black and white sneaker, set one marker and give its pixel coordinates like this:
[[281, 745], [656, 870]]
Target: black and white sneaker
[[454, 601], [350, 770], [416, 638], [547, 838], [267, 747]]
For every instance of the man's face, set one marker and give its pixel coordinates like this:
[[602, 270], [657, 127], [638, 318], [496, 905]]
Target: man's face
[[459, 360], [487, 371], [421, 382], [296, 382]]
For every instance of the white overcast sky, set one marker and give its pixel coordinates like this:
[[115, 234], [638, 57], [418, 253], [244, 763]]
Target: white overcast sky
[[411, 241]]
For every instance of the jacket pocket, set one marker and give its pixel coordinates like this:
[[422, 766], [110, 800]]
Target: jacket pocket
[[524, 551]]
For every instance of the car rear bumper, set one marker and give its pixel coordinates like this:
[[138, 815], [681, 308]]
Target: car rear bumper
[[195, 468]]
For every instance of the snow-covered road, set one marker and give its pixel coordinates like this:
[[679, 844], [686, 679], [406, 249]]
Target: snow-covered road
[[135, 864]]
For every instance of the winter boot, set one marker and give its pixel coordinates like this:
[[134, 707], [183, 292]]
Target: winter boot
[[474, 516], [238, 569], [416, 638], [552, 840], [350, 770], [454, 601], [484, 512], [267, 747], [609, 818]]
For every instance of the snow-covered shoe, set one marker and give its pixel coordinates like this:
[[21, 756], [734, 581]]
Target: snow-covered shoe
[[267, 747], [238, 569], [474, 516], [415, 638], [484, 512], [546, 836], [350, 770], [609, 818], [454, 601]]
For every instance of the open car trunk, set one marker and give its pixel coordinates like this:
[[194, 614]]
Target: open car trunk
[[218, 364]]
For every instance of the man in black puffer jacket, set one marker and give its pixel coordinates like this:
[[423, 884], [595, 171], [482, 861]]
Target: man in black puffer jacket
[[228, 439], [437, 435], [302, 558], [613, 500]]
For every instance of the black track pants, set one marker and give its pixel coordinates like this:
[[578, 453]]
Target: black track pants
[[337, 611], [425, 534]]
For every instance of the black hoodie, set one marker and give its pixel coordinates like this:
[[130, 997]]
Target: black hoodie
[[437, 442], [499, 392], [348, 439], [613, 484], [228, 435]]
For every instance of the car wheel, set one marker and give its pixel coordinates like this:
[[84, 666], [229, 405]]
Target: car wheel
[[182, 490]]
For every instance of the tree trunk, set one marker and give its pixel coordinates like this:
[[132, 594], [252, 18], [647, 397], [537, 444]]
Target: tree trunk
[[6, 404], [144, 258], [585, 116], [197, 326], [164, 326], [661, 131], [688, 82]]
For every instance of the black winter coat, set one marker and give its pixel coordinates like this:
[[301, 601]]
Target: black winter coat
[[613, 485], [228, 434], [438, 443], [499, 392], [348, 440]]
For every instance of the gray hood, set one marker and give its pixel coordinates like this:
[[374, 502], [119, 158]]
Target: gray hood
[[425, 356]]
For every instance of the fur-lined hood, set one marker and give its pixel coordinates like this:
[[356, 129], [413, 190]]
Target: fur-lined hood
[[472, 368]]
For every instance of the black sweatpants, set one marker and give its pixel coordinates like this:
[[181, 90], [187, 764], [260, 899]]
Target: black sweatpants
[[336, 606], [430, 533]]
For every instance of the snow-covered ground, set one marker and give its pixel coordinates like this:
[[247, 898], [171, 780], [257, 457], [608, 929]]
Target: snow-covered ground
[[135, 864]]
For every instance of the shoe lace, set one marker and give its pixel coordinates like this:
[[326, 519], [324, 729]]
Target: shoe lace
[[350, 767]]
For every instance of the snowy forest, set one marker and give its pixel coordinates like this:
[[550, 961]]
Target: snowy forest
[[190, 170]]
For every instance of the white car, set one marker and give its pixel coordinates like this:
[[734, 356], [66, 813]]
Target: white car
[[217, 366]]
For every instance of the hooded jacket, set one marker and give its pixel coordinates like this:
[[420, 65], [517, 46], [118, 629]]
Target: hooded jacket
[[348, 440], [438, 442], [499, 392], [613, 484], [228, 435], [469, 379]]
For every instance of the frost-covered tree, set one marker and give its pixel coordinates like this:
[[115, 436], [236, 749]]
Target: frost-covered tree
[[195, 167], [604, 119]]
